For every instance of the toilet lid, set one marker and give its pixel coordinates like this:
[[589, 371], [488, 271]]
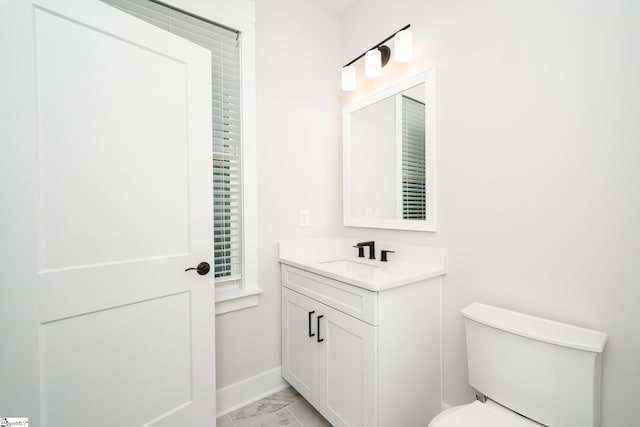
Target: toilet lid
[[478, 414]]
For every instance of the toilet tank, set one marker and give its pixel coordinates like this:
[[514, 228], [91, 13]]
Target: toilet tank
[[547, 371]]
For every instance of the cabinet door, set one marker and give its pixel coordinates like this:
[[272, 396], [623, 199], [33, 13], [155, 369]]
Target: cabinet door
[[348, 371], [299, 350]]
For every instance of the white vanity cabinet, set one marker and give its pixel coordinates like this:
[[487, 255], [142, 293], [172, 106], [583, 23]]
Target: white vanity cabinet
[[334, 369], [362, 358]]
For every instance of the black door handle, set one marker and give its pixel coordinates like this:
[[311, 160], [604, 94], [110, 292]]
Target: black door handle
[[318, 329], [202, 268], [310, 334]]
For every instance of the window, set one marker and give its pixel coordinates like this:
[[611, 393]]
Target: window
[[233, 163]]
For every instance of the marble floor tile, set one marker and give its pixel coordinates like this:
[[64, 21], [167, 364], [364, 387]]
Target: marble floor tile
[[254, 421], [281, 418], [267, 405], [224, 422], [307, 414], [284, 408]]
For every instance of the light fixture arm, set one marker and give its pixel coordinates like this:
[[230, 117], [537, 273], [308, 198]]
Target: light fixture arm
[[379, 45]]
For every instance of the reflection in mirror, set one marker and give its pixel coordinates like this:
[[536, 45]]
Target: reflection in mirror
[[413, 156], [389, 158]]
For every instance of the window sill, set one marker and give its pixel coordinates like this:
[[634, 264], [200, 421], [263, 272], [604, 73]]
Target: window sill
[[236, 299]]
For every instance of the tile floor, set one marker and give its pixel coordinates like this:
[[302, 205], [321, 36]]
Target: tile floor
[[284, 408]]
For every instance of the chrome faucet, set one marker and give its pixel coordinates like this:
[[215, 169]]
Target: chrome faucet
[[372, 248]]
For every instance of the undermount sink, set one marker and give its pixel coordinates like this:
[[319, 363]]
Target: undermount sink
[[349, 265], [337, 259]]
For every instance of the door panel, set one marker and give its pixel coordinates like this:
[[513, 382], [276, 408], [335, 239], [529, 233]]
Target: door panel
[[300, 351], [118, 356], [349, 361], [118, 172], [127, 110]]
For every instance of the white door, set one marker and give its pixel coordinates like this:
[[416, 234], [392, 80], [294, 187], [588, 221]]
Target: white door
[[300, 345], [105, 175], [348, 359]]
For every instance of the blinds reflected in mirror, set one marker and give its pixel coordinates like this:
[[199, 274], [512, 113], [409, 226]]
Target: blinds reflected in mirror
[[224, 45], [413, 159]]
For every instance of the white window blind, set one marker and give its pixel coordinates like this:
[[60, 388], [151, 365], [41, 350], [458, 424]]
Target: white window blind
[[224, 44], [413, 159]]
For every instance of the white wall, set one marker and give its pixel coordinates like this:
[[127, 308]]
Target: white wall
[[539, 143], [299, 155]]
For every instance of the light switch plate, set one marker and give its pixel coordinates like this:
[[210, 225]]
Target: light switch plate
[[304, 217]]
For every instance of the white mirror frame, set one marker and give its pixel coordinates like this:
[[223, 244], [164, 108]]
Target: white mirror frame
[[429, 79]]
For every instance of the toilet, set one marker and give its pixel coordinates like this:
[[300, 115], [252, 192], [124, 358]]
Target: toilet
[[532, 372]]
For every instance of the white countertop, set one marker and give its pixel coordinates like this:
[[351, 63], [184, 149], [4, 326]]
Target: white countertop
[[337, 259]]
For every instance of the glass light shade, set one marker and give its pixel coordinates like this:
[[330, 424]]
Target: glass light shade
[[403, 46], [348, 77], [373, 63]]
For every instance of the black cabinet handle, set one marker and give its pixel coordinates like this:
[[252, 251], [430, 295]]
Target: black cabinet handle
[[311, 334], [318, 329]]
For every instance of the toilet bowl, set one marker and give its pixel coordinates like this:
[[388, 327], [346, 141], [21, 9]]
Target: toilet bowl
[[534, 372], [478, 414]]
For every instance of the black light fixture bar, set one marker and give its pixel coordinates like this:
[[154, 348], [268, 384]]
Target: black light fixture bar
[[378, 45]]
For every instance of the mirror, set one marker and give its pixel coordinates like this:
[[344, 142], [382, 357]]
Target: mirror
[[389, 160]]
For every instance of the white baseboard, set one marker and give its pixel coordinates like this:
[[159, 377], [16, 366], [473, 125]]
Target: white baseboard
[[237, 395]]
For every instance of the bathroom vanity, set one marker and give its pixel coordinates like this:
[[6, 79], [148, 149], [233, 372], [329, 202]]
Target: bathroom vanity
[[360, 337]]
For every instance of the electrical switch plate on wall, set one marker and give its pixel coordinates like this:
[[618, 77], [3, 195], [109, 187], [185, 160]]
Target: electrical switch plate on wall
[[304, 217]]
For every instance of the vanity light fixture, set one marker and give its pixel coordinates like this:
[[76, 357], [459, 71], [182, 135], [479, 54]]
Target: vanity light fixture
[[378, 56], [373, 63], [403, 46], [348, 77]]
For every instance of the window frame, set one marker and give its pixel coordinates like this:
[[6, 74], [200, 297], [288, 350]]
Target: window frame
[[245, 293]]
